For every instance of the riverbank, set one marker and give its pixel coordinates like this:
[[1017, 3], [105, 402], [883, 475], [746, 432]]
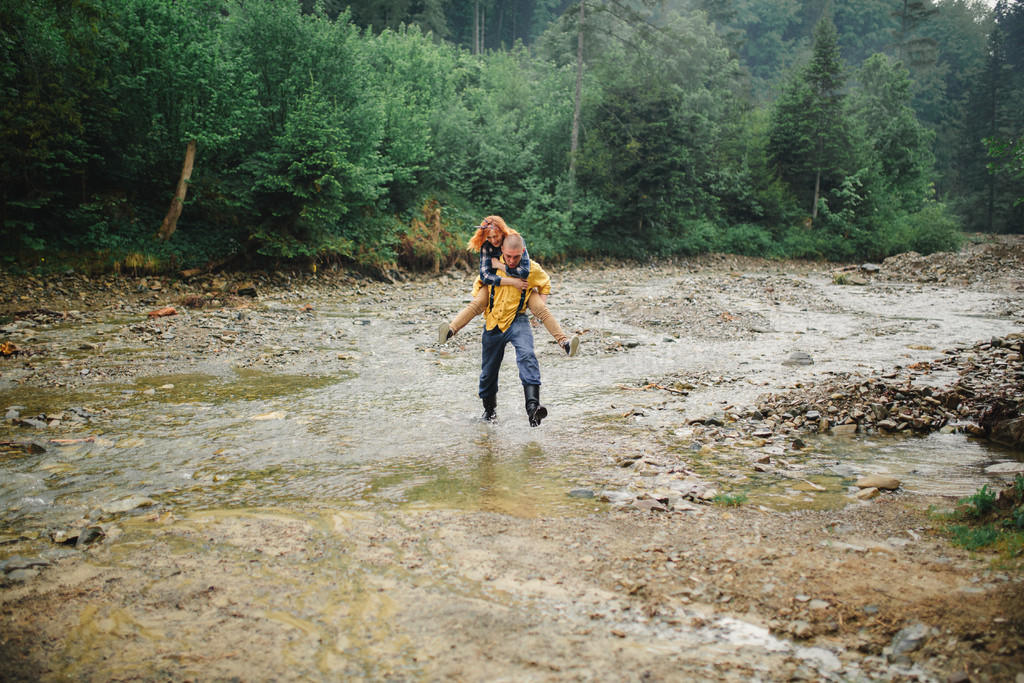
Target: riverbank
[[282, 480]]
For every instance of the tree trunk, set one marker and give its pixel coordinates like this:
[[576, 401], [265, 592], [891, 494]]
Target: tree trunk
[[170, 223], [817, 192], [575, 140], [476, 27]]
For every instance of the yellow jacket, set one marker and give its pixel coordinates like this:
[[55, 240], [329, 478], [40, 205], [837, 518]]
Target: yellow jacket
[[506, 298]]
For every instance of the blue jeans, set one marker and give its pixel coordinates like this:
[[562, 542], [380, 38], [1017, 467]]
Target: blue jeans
[[520, 335]]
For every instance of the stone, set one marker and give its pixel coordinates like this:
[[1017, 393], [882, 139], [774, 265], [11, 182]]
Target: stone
[[89, 535], [887, 425], [1009, 433], [878, 481], [1006, 468], [23, 574], [16, 562], [127, 504], [800, 629], [868, 493], [909, 639], [648, 504], [845, 430], [842, 470], [615, 497], [799, 358], [69, 535], [581, 493]]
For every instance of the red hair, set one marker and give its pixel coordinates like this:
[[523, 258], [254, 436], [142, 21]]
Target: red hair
[[476, 242]]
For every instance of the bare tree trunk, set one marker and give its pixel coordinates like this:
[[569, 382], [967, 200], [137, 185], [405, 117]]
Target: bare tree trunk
[[575, 141], [817, 191], [170, 223], [477, 37]]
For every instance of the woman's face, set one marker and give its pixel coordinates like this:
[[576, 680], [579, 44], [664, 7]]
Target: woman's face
[[494, 236]]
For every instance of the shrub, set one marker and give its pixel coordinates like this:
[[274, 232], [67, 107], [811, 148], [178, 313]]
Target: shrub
[[746, 239], [930, 230], [974, 538], [981, 503]]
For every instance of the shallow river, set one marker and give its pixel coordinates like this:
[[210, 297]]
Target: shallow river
[[363, 408]]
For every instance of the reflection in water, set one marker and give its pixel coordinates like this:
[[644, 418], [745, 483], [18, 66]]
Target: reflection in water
[[512, 479], [820, 475]]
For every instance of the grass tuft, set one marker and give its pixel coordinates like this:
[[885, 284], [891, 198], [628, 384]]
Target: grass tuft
[[730, 499]]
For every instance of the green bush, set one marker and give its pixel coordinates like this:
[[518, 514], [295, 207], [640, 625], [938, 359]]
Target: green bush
[[974, 538], [981, 503], [930, 230], [746, 239]]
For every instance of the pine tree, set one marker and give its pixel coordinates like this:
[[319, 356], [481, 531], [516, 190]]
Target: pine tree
[[809, 135]]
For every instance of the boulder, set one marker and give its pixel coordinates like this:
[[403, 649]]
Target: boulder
[[1009, 433], [878, 481]]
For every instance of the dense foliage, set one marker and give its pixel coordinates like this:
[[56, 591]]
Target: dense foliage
[[332, 130]]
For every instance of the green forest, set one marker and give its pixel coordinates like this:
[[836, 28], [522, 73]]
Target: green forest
[[172, 134]]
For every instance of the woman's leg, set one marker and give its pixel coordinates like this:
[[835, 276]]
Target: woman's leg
[[540, 309], [475, 307]]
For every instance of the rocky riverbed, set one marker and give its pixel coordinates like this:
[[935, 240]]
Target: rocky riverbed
[[282, 478]]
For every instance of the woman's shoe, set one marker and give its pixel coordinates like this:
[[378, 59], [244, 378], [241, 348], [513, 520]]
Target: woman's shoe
[[571, 346], [444, 333]]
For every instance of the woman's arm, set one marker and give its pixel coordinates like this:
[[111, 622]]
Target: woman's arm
[[488, 276]]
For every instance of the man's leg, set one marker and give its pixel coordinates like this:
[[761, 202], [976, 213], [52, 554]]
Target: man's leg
[[521, 336], [492, 352]]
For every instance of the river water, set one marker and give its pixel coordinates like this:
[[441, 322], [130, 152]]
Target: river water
[[361, 407]]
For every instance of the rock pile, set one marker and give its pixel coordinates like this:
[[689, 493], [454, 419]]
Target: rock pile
[[985, 399], [978, 264]]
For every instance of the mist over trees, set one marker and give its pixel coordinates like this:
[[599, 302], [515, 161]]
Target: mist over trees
[[322, 130]]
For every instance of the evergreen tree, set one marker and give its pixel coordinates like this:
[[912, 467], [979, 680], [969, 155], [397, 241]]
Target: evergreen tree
[[898, 143], [993, 114], [809, 139]]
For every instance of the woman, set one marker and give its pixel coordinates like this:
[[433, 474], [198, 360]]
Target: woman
[[487, 239]]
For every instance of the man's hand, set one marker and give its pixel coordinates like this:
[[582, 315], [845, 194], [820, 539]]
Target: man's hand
[[514, 282]]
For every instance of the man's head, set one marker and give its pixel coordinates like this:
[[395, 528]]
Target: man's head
[[512, 249]]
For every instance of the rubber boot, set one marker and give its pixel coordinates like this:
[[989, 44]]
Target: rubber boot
[[490, 409], [534, 409]]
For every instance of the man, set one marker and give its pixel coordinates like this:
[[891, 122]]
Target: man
[[506, 322]]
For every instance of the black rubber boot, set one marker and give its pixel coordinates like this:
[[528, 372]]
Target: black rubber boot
[[534, 409], [490, 409]]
